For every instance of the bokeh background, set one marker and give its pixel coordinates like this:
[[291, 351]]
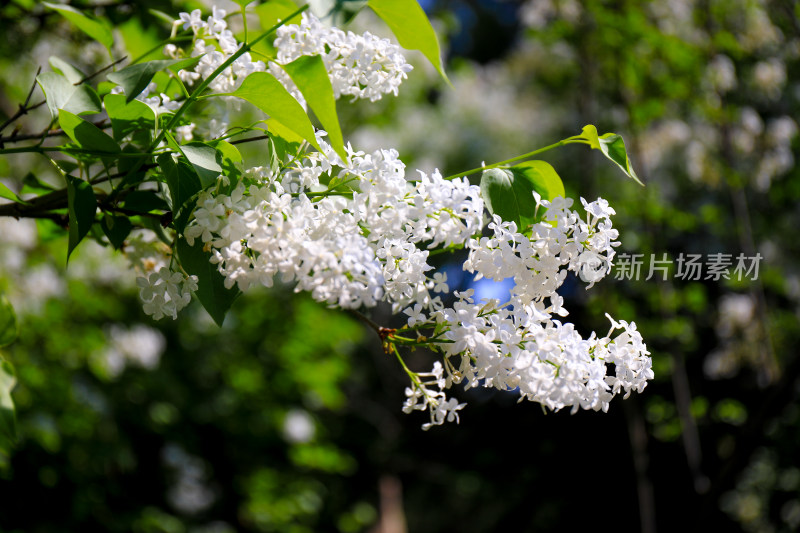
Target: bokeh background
[[287, 419]]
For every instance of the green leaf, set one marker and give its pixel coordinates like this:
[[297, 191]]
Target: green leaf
[[311, 77], [135, 78], [264, 91], [281, 134], [613, 147], [508, 193], [82, 206], [8, 322], [277, 151], [211, 291], [86, 135], [542, 176], [127, 117], [141, 38], [244, 3], [72, 74], [56, 88], [31, 182], [61, 94], [95, 29], [183, 184], [144, 202], [412, 28], [269, 13], [204, 160], [8, 416], [230, 159], [83, 101], [117, 229], [8, 194]]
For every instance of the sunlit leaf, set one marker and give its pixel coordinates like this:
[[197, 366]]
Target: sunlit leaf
[[264, 91], [230, 159], [281, 134], [204, 160], [72, 74], [271, 12], [82, 206], [411, 26], [97, 30], [8, 194], [311, 77], [542, 176], [127, 117], [508, 192], [141, 38], [613, 147], [61, 94], [85, 134]]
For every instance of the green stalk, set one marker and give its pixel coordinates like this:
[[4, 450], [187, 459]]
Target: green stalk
[[570, 140]]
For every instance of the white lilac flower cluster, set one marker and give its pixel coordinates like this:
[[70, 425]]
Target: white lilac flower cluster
[[518, 345], [361, 66], [346, 251], [215, 43], [356, 251], [162, 291], [165, 292]]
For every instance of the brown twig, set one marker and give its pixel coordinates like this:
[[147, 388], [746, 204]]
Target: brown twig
[[96, 73], [51, 133], [368, 321], [251, 139], [23, 108]]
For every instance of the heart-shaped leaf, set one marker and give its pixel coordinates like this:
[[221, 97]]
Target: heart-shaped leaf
[[61, 94], [127, 117], [508, 192], [613, 147], [72, 74]]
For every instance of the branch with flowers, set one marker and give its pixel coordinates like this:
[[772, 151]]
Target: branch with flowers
[[157, 175]]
